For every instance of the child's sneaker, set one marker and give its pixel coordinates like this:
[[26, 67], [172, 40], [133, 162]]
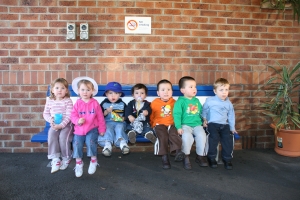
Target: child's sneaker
[[55, 165], [93, 167], [64, 164], [106, 151], [150, 136], [125, 149], [79, 169], [131, 136]]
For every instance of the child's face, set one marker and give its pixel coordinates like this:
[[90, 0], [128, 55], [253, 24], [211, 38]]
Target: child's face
[[222, 91], [112, 96], [139, 95], [189, 90], [59, 91], [85, 92], [165, 91]]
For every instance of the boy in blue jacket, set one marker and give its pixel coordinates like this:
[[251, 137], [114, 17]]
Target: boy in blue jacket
[[218, 115]]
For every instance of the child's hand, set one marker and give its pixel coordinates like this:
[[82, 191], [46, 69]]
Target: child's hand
[[131, 118], [204, 123], [145, 113], [56, 127], [110, 109], [81, 121], [180, 131], [101, 134]]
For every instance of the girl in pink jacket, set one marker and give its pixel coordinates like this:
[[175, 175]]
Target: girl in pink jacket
[[88, 120]]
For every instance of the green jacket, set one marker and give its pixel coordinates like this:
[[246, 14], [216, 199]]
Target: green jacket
[[187, 112]]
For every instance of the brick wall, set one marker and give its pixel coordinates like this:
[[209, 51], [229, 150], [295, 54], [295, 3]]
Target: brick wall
[[206, 39]]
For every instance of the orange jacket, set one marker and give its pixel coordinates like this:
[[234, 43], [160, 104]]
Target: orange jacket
[[162, 112]]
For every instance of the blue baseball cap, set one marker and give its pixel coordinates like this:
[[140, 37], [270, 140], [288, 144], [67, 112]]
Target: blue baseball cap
[[115, 87]]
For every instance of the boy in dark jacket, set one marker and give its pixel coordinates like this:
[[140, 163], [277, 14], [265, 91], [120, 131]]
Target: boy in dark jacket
[[137, 115]]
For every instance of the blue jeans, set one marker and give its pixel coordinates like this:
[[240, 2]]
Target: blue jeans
[[90, 140], [222, 133], [114, 132]]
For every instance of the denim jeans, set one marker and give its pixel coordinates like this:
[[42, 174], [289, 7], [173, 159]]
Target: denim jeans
[[220, 133], [90, 139], [114, 132]]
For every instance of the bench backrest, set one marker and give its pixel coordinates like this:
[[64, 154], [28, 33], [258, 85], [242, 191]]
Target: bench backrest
[[204, 91]]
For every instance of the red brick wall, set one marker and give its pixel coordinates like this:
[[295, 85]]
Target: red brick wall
[[206, 39]]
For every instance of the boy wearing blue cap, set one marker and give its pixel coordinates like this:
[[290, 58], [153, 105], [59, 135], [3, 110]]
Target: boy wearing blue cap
[[114, 109]]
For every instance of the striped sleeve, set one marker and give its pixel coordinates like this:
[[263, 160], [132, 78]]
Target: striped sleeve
[[46, 113]]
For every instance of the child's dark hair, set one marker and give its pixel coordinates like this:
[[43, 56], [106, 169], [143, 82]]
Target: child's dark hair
[[62, 81], [183, 80], [139, 86], [220, 82], [162, 82]]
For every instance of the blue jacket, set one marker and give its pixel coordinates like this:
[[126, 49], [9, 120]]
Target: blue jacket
[[218, 111]]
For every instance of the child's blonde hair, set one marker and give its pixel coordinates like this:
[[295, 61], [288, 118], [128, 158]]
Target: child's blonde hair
[[62, 81], [220, 82], [88, 83]]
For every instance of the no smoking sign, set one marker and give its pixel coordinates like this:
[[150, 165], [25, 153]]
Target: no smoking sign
[[135, 25], [132, 25]]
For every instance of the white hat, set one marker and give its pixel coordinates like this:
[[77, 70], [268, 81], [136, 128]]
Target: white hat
[[76, 80]]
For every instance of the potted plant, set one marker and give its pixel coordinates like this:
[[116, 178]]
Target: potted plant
[[283, 106]]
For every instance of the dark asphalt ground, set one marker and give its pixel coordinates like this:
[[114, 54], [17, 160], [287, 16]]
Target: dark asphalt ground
[[256, 174]]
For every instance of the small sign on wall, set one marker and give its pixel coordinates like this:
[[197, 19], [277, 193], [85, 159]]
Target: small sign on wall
[[137, 25]]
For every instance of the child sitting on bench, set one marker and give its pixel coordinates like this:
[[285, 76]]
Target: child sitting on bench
[[137, 115], [57, 112], [114, 111]]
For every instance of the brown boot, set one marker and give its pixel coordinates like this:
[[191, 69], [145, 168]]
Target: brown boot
[[179, 156], [201, 160], [166, 162], [186, 163]]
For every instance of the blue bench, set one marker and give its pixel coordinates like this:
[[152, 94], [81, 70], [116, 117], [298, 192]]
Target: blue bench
[[204, 91]]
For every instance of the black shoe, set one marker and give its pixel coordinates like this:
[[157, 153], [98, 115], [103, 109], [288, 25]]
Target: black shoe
[[186, 163], [165, 162], [227, 165], [212, 163], [201, 160], [179, 156]]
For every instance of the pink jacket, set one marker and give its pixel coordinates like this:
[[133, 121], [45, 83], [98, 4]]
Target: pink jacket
[[93, 115]]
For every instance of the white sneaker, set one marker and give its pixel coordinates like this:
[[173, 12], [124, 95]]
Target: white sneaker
[[107, 150], [131, 136], [93, 167], [125, 149], [55, 165], [150, 136], [64, 164], [79, 169]]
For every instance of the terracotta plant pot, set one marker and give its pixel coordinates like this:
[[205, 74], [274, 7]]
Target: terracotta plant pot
[[287, 142]]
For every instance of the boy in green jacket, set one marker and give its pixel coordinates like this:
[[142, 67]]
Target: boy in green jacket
[[187, 119]]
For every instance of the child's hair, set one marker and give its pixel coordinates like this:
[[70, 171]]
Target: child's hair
[[220, 82], [88, 83], [139, 86], [62, 81], [183, 80], [162, 82]]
